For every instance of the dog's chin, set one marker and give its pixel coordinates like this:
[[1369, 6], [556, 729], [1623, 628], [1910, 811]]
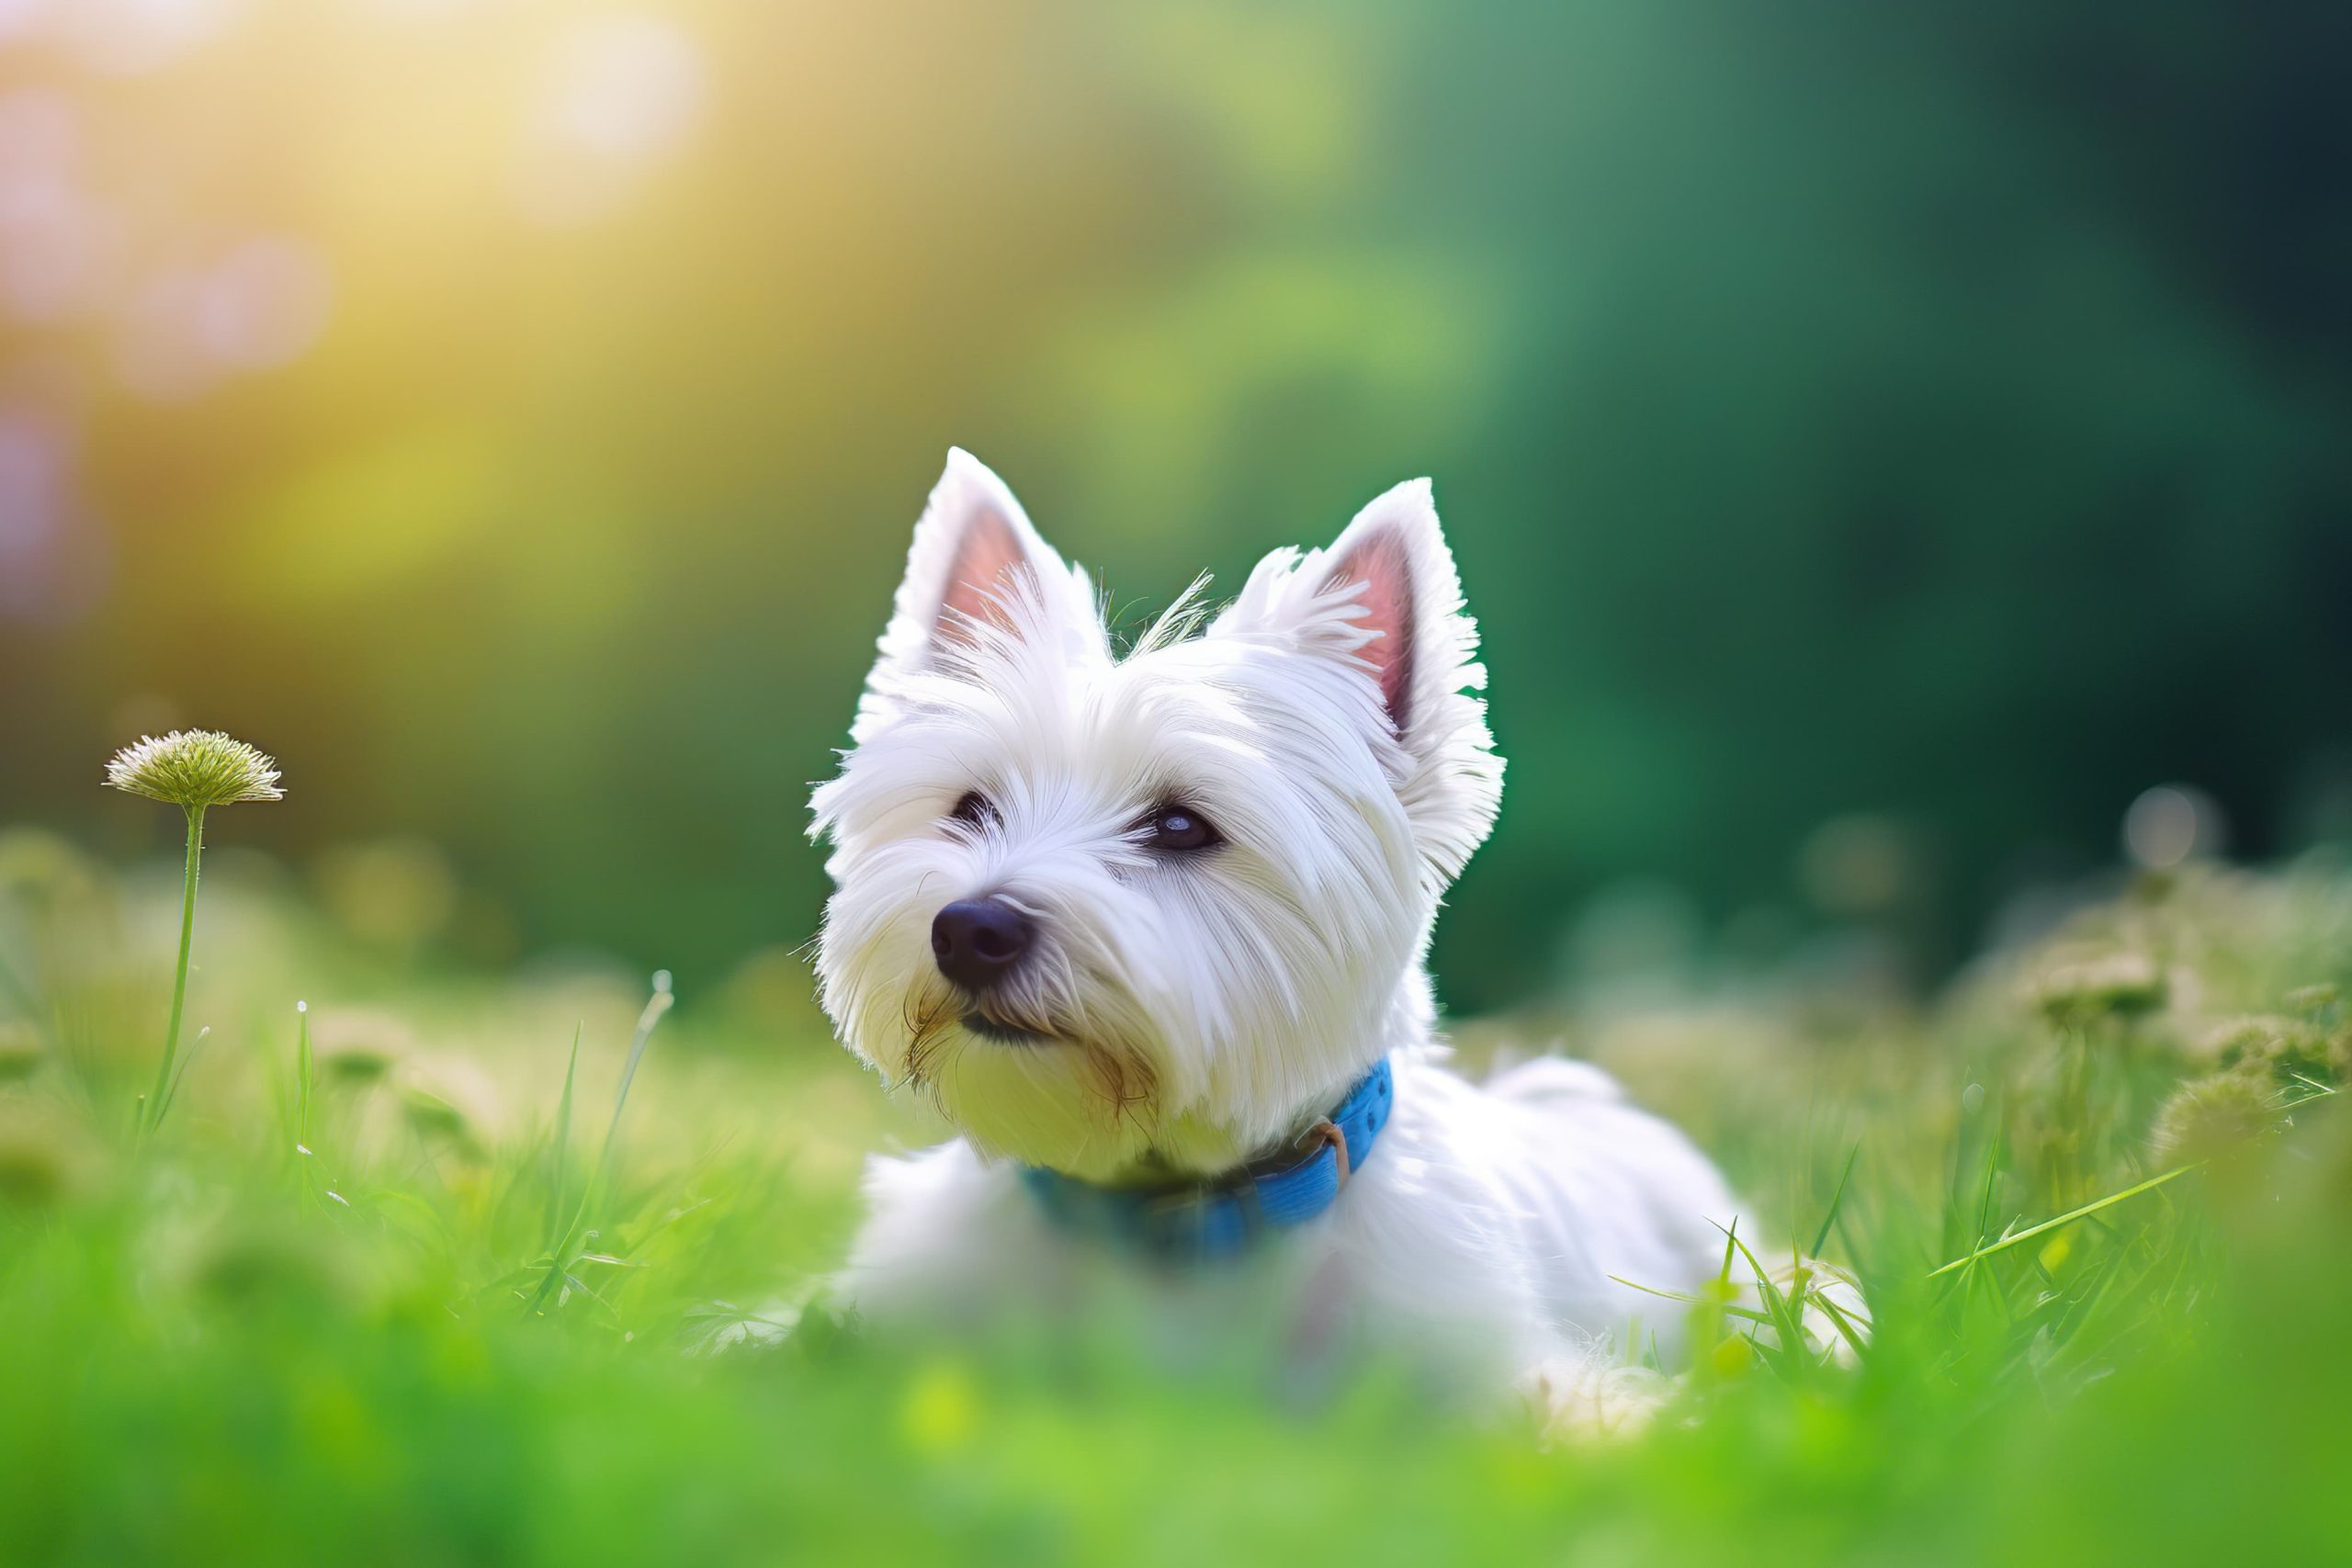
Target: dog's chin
[[1004, 1031], [1035, 1091]]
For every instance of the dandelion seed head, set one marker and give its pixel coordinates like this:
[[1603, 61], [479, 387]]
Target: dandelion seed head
[[194, 768], [2122, 984], [2267, 1045], [2317, 1000], [2218, 1120]]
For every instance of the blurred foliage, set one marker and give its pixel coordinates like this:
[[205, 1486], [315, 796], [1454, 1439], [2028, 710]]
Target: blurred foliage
[[307, 1323], [514, 413]]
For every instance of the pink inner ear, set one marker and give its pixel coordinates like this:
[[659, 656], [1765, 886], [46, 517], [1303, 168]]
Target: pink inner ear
[[979, 578], [1383, 566]]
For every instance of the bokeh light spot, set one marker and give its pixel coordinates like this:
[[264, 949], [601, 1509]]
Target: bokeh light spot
[[264, 303], [1857, 865], [52, 560], [623, 93], [129, 38], [256, 307], [2169, 824], [51, 232]]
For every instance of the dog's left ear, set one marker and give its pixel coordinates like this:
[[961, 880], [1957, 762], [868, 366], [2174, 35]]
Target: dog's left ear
[[1385, 599]]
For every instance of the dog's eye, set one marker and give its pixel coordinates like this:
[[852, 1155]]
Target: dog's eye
[[1178, 828], [973, 810]]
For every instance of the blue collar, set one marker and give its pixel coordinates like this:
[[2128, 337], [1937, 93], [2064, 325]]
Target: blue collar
[[1221, 1218]]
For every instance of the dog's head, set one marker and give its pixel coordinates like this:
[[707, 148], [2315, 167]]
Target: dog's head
[[1109, 909]]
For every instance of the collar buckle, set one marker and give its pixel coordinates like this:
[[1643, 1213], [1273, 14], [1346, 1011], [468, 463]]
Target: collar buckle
[[1326, 1134]]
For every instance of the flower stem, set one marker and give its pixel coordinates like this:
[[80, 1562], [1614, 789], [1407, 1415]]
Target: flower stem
[[154, 1114]]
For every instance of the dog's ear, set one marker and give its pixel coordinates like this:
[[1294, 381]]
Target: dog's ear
[[1381, 559], [1384, 598], [977, 571]]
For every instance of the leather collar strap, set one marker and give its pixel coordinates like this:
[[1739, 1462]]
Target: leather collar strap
[[1224, 1217]]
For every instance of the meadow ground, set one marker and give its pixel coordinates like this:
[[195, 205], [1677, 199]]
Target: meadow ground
[[386, 1286]]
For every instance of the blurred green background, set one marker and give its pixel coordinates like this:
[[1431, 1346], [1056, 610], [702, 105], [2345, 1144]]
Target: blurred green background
[[1880, 442]]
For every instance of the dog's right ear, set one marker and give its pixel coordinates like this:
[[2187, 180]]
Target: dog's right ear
[[976, 571]]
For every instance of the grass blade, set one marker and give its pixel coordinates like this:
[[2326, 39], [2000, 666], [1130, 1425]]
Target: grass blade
[[195, 1048], [1788, 1318], [2013, 1238], [1730, 1308], [559, 1150], [655, 1005], [1836, 1199], [305, 1076]]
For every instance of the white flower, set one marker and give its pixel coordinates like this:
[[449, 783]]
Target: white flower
[[194, 768]]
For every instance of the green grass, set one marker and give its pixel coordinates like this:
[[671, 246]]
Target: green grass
[[372, 1293]]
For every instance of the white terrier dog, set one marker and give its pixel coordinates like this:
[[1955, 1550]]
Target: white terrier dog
[[1150, 929]]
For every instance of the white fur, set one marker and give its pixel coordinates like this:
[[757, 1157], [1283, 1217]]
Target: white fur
[[1208, 1007]]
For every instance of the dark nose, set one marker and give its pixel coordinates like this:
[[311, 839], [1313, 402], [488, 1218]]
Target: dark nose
[[976, 940]]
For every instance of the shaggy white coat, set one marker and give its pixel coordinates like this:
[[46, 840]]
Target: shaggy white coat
[[1206, 1008]]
